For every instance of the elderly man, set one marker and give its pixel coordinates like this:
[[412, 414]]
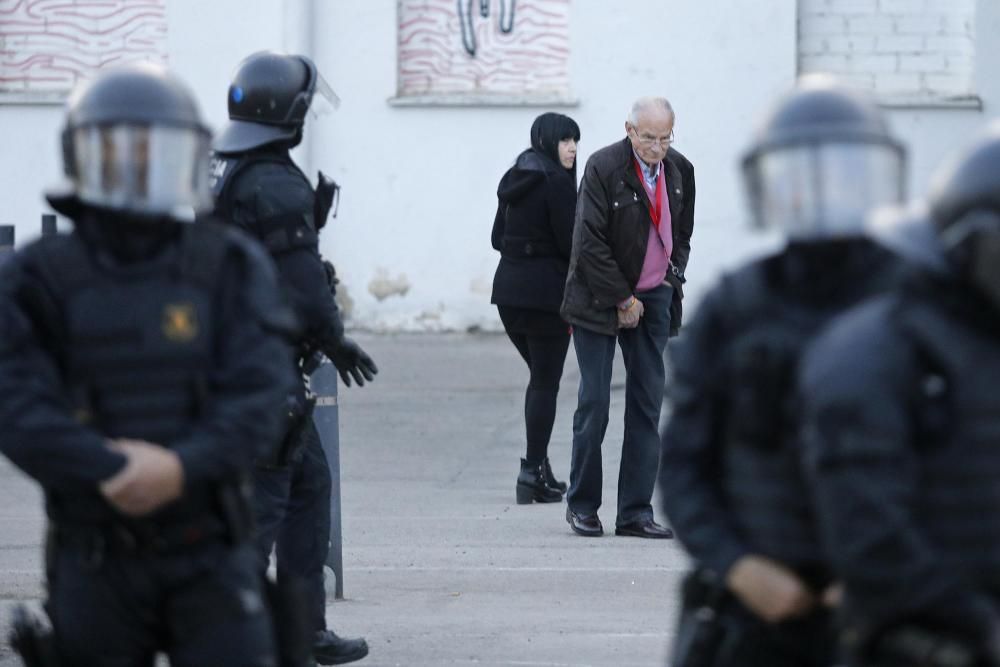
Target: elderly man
[[631, 241]]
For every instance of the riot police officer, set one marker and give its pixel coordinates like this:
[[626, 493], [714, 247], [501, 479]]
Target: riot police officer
[[141, 358], [259, 188], [901, 416], [729, 476]]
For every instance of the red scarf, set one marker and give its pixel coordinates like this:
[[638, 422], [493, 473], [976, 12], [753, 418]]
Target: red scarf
[[656, 200]]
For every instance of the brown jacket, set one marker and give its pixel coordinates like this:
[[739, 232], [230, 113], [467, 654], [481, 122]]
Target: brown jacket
[[611, 232]]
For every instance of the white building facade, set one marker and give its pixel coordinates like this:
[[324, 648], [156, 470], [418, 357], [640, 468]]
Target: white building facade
[[438, 95]]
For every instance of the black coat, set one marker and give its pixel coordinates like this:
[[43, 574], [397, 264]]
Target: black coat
[[611, 233], [533, 230]]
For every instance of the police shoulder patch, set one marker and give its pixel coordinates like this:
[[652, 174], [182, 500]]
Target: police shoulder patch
[[180, 322]]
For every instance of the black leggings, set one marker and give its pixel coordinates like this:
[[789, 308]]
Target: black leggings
[[545, 356]]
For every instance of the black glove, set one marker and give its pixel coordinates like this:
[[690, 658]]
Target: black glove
[[352, 361]]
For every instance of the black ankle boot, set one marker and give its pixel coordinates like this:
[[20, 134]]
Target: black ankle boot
[[550, 479], [329, 649], [531, 485]]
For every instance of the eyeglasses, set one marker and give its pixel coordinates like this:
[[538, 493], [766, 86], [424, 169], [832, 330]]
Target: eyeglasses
[[648, 139]]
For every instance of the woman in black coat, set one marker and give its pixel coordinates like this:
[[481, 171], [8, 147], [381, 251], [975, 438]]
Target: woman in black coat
[[533, 231]]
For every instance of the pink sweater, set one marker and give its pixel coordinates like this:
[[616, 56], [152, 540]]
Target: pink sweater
[[661, 241]]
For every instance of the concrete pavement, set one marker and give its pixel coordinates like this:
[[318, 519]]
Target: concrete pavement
[[441, 567]]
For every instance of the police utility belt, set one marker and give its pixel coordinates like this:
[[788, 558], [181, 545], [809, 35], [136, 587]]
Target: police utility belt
[[138, 537], [224, 514]]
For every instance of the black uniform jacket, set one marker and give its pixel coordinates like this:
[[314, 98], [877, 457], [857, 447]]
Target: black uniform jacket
[[273, 201], [729, 467], [901, 421], [249, 374]]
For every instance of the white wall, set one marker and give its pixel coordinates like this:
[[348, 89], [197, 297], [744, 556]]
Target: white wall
[[29, 161], [935, 133], [918, 49], [205, 41], [419, 182]]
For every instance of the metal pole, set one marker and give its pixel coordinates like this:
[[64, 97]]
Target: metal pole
[[48, 224], [6, 241], [323, 383]]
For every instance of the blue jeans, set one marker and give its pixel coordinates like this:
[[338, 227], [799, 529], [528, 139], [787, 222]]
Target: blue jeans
[[642, 351]]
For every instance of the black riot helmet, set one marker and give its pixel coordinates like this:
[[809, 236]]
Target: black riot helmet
[[134, 143], [268, 100], [964, 206], [822, 158]]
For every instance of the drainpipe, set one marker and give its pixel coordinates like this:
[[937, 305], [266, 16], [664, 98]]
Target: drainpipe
[[300, 31], [299, 37]]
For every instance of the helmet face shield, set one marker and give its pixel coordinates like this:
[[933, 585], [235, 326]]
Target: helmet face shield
[[316, 99], [154, 170], [822, 190], [324, 100]]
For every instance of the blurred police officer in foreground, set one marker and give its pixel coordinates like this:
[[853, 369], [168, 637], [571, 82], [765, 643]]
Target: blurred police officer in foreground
[[140, 363], [259, 188], [901, 435], [729, 473]]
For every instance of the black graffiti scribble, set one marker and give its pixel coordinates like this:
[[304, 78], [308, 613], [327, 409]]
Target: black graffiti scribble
[[465, 18]]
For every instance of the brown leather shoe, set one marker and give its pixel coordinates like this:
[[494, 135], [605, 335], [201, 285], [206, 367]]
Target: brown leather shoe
[[587, 525], [644, 527]]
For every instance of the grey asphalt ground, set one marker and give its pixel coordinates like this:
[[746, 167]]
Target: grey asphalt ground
[[441, 566]]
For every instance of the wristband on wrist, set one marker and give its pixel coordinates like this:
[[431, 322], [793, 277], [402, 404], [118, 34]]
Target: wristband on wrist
[[628, 304]]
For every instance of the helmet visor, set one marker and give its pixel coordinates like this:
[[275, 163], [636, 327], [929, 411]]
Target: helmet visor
[[817, 191], [143, 169], [324, 99]]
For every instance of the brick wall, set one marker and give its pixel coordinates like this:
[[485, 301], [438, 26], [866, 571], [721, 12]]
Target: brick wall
[[914, 49]]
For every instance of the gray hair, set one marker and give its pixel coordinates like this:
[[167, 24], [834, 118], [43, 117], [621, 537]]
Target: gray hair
[[644, 104]]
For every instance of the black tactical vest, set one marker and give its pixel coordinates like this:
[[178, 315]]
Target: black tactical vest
[[770, 322], [135, 342], [955, 408]]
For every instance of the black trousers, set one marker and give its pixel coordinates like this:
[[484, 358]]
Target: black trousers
[[803, 642], [292, 510], [545, 355], [201, 606]]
